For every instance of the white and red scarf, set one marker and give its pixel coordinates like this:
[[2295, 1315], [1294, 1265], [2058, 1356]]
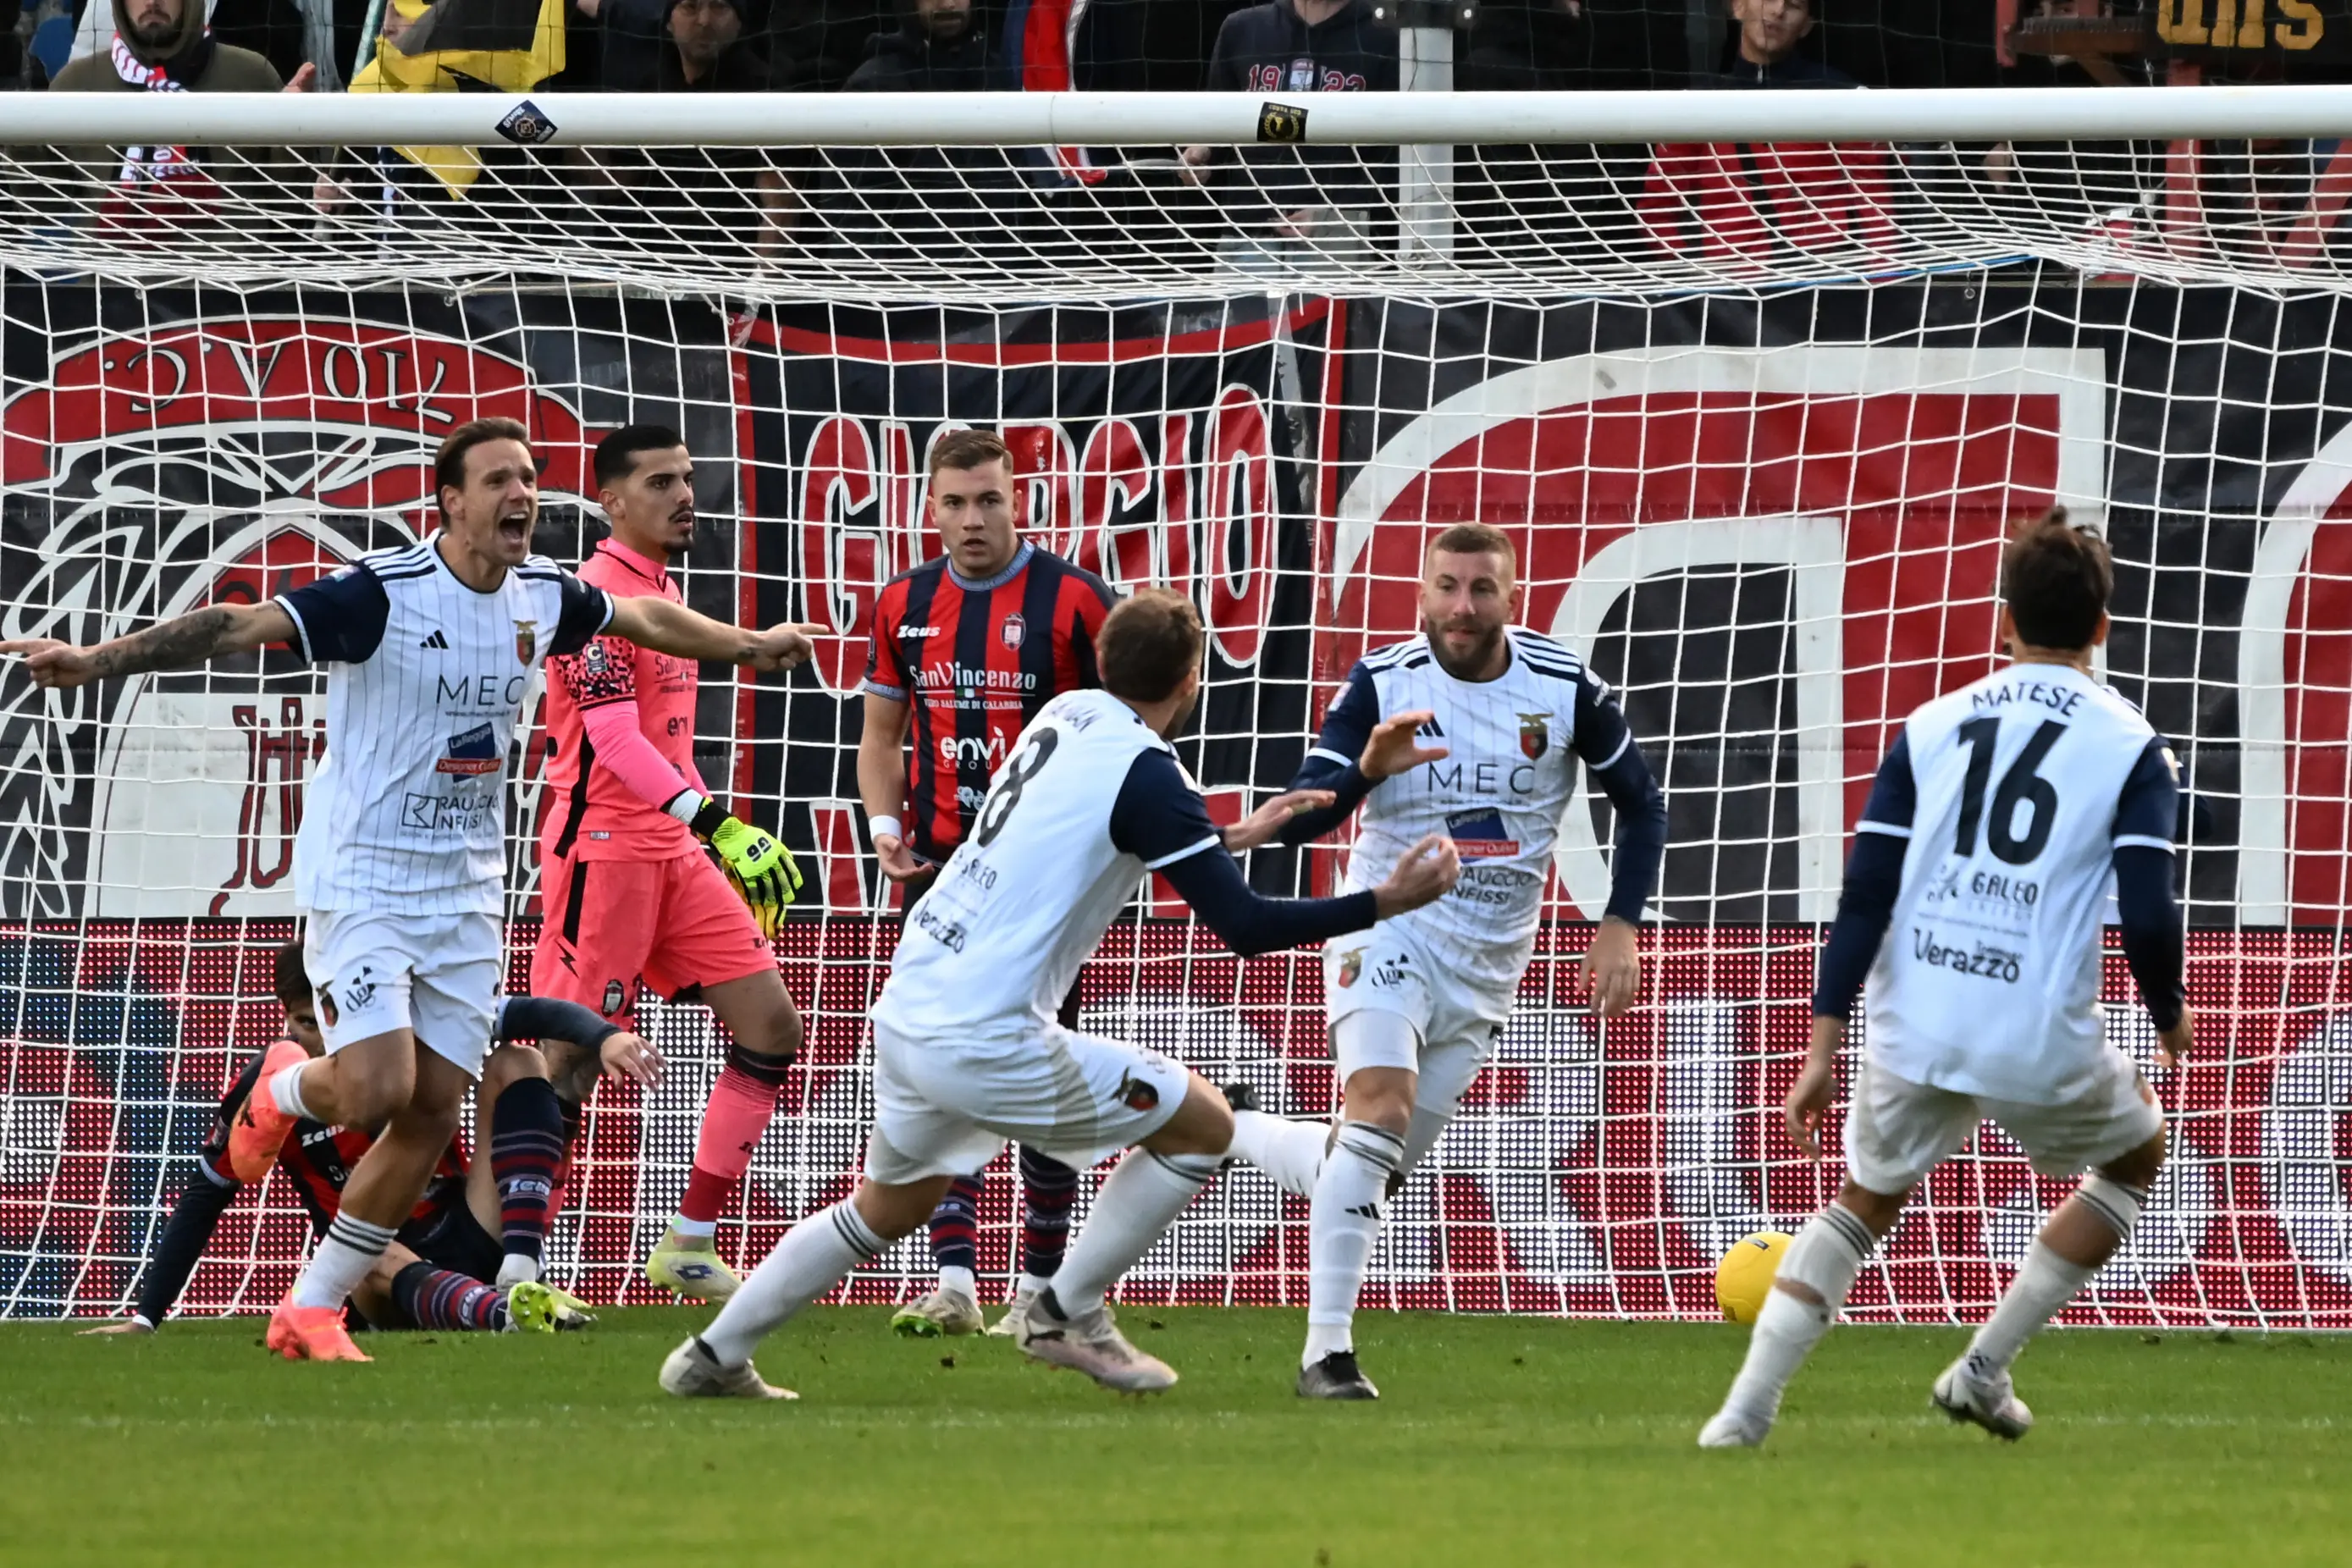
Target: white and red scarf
[[142, 165]]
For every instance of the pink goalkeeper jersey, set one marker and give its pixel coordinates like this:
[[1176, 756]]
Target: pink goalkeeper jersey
[[587, 813]]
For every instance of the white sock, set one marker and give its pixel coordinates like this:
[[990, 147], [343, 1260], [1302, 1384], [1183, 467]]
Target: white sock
[[519, 1268], [286, 1092], [957, 1279], [346, 1254], [1290, 1152], [1826, 1255], [1342, 1224], [2045, 1283], [1135, 1208], [681, 1226], [1033, 1283], [814, 1256]]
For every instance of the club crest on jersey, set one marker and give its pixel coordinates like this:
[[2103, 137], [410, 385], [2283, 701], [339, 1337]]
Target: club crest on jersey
[[472, 752], [526, 640], [1135, 1093], [1534, 735], [1015, 631], [1351, 966]]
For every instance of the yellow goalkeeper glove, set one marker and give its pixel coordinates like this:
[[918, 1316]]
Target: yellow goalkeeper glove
[[756, 862]]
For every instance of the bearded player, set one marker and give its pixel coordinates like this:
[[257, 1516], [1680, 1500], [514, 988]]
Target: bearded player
[[966, 650], [1987, 848], [967, 1052], [631, 900], [1416, 1007], [430, 650]]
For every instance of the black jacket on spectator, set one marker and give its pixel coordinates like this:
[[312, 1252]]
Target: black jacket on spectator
[[1271, 49], [908, 60], [816, 44], [1794, 71]]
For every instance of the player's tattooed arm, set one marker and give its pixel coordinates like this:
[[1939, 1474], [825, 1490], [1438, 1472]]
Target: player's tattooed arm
[[669, 628], [180, 643]]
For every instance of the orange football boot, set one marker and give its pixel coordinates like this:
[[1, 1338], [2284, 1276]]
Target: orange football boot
[[311, 1333], [260, 1127]]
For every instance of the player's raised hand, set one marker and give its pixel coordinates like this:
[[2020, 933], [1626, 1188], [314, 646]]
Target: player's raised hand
[[1395, 746], [1264, 824], [1424, 874], [784, 647], [53, 663], [124, 1326], [630, 1057], [1612, 970], [1816, 1085], [2173, 1045], [898, 862]]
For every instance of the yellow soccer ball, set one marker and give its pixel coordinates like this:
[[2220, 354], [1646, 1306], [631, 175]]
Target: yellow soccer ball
[[1745, 1274]]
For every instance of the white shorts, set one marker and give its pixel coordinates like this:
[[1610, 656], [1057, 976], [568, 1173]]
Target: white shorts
[[435, 974], [1896, 1130], [1456, 1022], [948, 1107]]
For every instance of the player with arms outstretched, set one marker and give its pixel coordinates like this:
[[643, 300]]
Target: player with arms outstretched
[[442, 1271], [431, 651], [966, 650], [1416, 1007], [632, 901], [967, 1050], [1970, 922]]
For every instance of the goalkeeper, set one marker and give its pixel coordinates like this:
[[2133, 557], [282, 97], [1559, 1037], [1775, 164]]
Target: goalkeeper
[[629, 897]]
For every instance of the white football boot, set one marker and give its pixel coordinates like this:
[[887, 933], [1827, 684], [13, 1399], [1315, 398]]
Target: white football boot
[[1994, 1406]]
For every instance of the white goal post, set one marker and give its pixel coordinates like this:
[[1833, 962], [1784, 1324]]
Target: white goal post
[[1755, 381]]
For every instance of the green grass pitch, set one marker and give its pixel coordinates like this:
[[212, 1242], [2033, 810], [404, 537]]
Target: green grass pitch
[[1499, 1441]]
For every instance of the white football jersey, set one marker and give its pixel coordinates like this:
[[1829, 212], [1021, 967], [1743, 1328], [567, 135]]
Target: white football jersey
[[1988, 980], [1509, 774], [1025, 899], [425, 681]]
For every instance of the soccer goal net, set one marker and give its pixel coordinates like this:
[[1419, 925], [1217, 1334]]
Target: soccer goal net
[[1755, 382]]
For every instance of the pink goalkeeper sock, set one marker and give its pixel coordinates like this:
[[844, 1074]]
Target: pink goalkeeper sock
[[732, 1125]]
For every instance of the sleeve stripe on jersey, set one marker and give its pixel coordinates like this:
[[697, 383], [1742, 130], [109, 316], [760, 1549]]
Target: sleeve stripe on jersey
[[407, 576], [1620, 752], [1892, 830], [1184, 854], [1329, 755], [216, 1178], [301, 632], [890, 693], [2141, 841]]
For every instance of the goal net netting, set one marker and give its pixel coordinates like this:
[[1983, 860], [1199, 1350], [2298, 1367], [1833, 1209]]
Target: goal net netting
[[1756, 398]]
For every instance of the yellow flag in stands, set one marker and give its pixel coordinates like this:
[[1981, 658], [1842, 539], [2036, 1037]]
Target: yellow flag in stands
[[457, 46]]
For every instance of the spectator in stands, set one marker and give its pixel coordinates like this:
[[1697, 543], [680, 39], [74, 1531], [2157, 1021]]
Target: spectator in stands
[[1296, 47], [727, 197], [939, 48], [165, 45], [1770, 32], [816, 45]]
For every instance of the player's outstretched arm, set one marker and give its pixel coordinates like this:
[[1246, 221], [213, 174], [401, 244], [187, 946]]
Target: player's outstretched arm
[[655, 623], [2147, 908], [578, 1042], [1611, 969], [1874, 880], [1355, 750], [180, 643]]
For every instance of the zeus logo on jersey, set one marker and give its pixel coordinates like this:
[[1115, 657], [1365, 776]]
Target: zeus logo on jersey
[[1479, 832], [474, 750]]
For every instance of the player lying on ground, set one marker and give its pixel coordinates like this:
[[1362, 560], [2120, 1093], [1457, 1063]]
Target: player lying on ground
[[1416, 1006], [400, 859], [633, 901], [966, 1053], [1986, 848], [445, 1270], [966, 651]]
